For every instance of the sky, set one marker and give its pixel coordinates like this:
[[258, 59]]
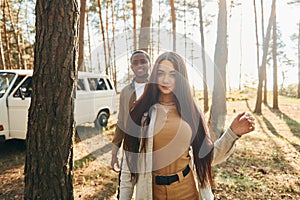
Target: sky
[[242, 41], [287, 17]]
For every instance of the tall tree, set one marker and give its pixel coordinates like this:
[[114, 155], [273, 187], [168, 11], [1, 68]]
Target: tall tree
[[103, 37], [81, 66], [107, 25], [114, 65], [158, 25], [263, 36], [274, 53], [262, 19], [89, 68], [262, 69], [2, 59], [134, 23], [205, 89], [49, 154], [218, 107], [256, 34], [7, 50], [173, 17], [144, 38]]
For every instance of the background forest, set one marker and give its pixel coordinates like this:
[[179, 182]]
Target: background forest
[[241, 55], [228, 45], [103, 23]]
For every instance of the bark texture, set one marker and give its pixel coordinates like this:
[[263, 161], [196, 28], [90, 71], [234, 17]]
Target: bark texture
[[49, 154]]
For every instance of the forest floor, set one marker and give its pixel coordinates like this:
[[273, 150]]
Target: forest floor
[[265, 164]]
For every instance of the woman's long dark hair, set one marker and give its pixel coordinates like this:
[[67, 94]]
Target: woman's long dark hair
[[135, 140]]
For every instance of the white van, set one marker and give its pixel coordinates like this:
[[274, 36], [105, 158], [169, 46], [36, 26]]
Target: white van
[[95, 101]]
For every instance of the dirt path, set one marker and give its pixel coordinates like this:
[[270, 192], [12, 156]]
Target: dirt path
[[266, 164], [93, 177]]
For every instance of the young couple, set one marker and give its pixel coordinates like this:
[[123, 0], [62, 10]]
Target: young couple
[[167, 149]]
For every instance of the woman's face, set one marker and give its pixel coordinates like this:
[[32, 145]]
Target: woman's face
[[166, 77]]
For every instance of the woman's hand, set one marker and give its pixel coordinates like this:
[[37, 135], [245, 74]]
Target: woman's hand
[[243, 123]]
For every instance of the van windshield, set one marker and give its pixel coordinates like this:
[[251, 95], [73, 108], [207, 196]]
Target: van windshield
[[6, 79]]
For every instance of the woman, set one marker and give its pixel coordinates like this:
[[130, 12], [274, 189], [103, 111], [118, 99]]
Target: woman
[[169, 153]]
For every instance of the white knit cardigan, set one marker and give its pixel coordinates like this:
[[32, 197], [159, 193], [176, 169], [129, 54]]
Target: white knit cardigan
[[223, 148]]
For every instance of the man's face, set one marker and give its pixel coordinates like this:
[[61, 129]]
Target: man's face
[[140, 65]]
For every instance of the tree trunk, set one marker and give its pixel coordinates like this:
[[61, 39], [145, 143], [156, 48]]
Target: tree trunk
[[158, 25], [265, 87], [144, 38], [173, 15], [113, 43], [275, 82], [263, 36], [218, 108], [81, 64], [7, 51], [103, 37], [22, 46], [2, 59], [49, 154], [90, 67], [262, 69], [107, 40], [21, 40], [262, 19], [134, 24], [256, 34], [205, 89]]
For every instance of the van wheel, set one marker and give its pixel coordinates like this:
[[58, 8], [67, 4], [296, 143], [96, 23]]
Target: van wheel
[[102, 120]]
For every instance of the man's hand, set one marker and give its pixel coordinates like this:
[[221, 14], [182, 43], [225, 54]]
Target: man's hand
[[115, 163], [114, 159]]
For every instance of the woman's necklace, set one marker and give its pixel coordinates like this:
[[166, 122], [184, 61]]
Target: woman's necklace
[[170, 103], [167, 106]]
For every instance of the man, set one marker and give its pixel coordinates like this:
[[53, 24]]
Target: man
[[140, 63]]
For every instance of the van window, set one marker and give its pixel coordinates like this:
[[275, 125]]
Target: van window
[[5, 81], [19, 79], [109, 83], [93, 82], [25, 90], [101, 85], [80, 84]]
